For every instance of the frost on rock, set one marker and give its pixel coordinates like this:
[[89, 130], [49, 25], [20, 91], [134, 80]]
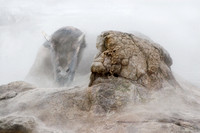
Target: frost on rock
[[128, 56]]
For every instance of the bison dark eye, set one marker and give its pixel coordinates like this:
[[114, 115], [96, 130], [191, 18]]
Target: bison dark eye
[[67, 70]]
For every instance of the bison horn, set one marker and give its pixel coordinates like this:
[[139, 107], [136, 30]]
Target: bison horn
[[47, 38]]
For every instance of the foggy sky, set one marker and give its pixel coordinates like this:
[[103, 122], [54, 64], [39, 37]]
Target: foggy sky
[[173, 24]]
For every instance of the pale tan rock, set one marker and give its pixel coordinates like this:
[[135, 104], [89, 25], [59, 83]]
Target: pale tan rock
[[134, 58]]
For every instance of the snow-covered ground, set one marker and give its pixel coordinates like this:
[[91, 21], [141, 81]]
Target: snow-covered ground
[[173, 24]]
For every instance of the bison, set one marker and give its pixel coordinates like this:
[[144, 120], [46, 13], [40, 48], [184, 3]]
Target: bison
[[58, 58]]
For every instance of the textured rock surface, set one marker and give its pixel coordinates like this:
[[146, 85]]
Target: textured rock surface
[[115, 94], [139, 60], [17, 125], [12, 89], [23, 124], [99, 109]]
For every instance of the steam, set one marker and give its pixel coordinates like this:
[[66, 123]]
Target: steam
[[175, 25]]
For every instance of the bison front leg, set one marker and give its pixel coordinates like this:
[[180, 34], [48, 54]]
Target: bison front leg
[[73, 66], [75, 58]]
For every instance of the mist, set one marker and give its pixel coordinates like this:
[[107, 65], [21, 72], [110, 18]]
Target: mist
[[174, 25]]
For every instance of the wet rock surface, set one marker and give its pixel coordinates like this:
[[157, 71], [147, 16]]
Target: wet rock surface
[[134, 93]]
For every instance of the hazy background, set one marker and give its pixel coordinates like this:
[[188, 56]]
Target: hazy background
[[175, 24]]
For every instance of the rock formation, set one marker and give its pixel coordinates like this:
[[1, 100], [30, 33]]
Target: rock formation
[[139, 60], [132, 89]]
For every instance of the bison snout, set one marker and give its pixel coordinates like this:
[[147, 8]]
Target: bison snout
[[62, 72]]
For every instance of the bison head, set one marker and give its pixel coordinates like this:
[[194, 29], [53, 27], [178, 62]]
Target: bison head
[[66, 45]]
